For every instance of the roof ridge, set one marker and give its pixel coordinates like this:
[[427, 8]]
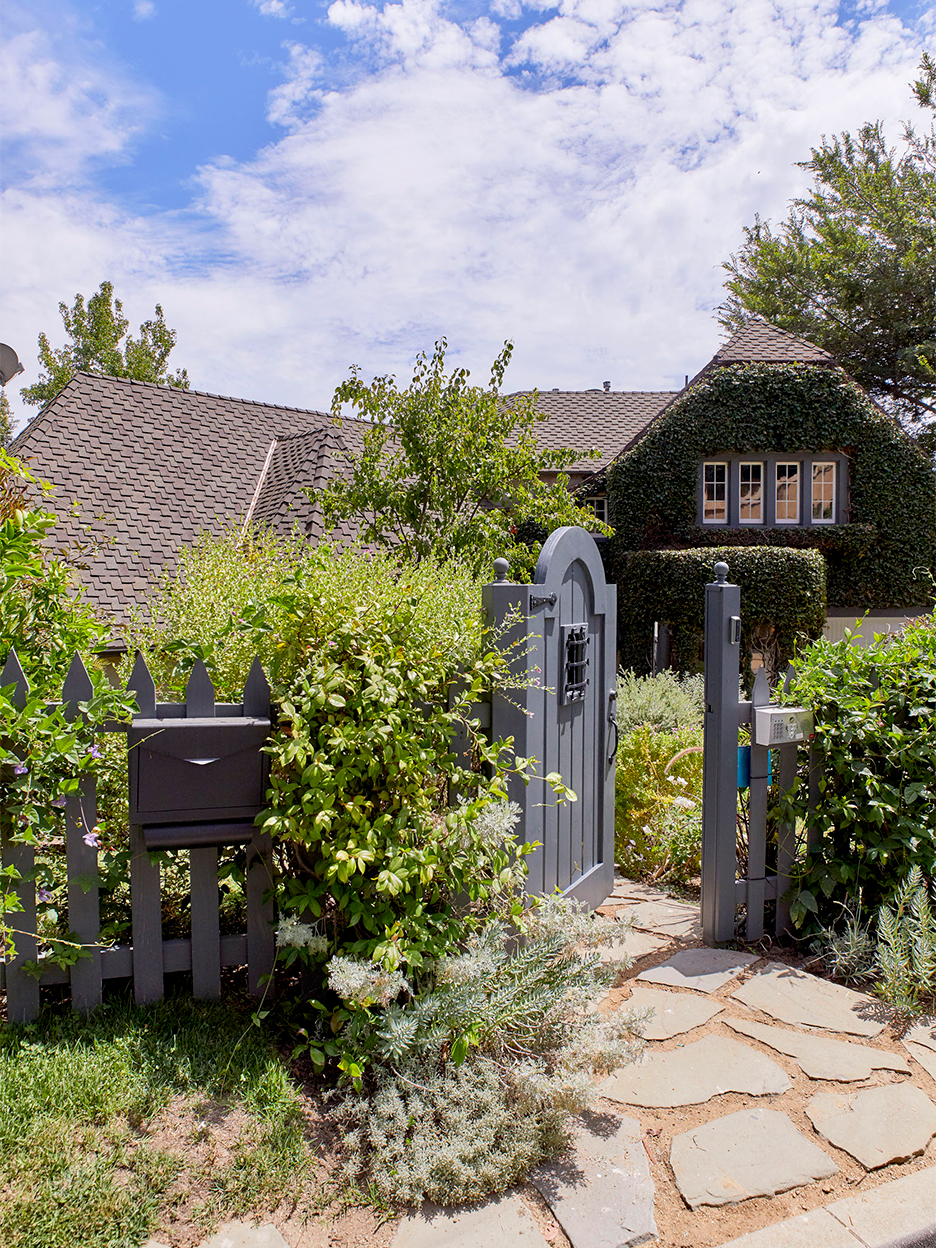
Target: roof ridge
[[205, 394]]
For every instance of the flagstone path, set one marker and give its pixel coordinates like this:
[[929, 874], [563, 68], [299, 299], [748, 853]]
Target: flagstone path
[[758, 1079]]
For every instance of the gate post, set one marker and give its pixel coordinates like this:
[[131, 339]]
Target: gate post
[[720, 758]]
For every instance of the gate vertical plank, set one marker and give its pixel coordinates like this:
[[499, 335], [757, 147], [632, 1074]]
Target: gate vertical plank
[[261, 946], [84, 910], [757, 819], [22, 989], [550, 736], [720, 758], [206, 924], [786, 839], [84, 913], [146, 907], [813, 833]]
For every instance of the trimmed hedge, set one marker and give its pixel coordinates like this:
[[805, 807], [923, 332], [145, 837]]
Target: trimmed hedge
[[873, 561], [781, 587]]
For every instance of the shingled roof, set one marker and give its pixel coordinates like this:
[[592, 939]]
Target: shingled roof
[[150, 468], [603, 420], [759, 342]]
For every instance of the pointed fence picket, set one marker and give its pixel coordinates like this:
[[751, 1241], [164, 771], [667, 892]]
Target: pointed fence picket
[[148, 958]]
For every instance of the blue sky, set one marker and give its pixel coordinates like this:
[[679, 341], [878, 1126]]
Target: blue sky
[[304, 186]]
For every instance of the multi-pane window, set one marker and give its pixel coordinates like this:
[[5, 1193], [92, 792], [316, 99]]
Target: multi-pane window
[[788, 494], [715, 494], [751, 493], [823, 493], [599, 505]]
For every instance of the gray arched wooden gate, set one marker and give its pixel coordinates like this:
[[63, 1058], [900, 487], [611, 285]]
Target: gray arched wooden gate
[[564, 641]]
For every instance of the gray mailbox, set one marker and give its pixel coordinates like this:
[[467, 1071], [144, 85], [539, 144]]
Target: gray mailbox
[[200, 779]]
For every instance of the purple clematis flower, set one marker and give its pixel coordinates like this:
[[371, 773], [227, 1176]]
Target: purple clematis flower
[[19, 769], [43, 894], [92, 839], [94, 752], [58, 801]]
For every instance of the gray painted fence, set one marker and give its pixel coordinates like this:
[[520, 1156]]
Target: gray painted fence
[[149, 958], [560, 634], [723, 892]]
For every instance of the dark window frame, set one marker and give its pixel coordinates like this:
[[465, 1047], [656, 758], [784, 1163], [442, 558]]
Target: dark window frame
[[770, 459]]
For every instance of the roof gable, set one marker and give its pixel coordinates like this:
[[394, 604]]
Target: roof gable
[[760, 342]]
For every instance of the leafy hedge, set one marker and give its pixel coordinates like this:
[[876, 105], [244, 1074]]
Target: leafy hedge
[[874, 713], [779, 587], [873, 561]]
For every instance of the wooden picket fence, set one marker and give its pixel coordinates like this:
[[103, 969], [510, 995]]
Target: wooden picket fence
[[148, 958]]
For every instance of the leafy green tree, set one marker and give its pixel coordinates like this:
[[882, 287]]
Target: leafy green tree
[[853, 267], [6, 419], [100, 344], [450, 468]]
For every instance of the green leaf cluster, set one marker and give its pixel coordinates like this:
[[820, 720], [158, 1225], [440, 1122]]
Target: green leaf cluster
[[43, 756], [361, 772], [875, 749], [782, 591], [658, 804], [100, 344], [451, 469]]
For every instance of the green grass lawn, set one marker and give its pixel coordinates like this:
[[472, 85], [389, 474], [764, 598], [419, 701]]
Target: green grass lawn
[[83, 1156]]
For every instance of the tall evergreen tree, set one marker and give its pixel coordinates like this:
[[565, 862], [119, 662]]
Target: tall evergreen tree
[[853, 267]]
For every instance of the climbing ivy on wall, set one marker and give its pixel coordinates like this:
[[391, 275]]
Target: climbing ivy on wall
[[874, 561]]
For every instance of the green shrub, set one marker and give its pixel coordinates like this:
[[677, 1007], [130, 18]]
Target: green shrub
[[43, 756], [658, 803], [652, 490], [665, 702], [782, 600], [874, 713], [232, 596], [481, 1071]]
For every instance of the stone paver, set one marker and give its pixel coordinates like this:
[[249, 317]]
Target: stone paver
[[695, 1073], [796, 997], [903, 1209], [875, 1126], [820, 1057], [633, 945], [502, 1223], [668, 918], [705, 970], [245, 1235], [631, 890], [756, 1152], [673, 1012], [817, 1229], [604, 1197], [920, 1043], [899, 1212]]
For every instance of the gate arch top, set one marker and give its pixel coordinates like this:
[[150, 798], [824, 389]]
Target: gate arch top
[[561, 549]]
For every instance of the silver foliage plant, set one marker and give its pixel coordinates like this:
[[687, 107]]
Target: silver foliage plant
[[473, 1077]]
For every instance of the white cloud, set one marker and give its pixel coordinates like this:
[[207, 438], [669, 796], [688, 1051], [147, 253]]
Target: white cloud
[[143, 10], [576, 189], [273, 8]]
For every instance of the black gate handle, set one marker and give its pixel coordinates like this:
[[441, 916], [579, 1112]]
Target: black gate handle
[[612, 720]]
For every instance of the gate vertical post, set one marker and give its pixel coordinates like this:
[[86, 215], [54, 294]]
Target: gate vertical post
[[510, 714], [720, 757]]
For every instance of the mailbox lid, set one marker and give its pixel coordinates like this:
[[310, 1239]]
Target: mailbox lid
[[199, 769]]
